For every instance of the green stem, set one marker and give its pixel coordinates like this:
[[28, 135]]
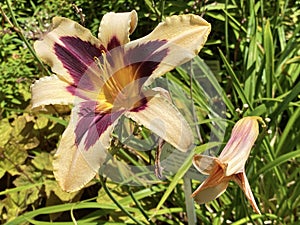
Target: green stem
[[116, 202], [139, 206], [18, 30], [226, 31]]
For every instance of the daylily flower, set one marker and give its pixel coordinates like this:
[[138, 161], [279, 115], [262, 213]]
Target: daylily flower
[[106, 78], [230, 165]]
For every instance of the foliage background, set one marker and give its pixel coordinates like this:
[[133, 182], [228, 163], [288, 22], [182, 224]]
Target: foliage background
[[256, 44]]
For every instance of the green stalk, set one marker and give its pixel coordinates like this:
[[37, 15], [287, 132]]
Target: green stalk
[[103, 183], [18, 30], [140, 207]]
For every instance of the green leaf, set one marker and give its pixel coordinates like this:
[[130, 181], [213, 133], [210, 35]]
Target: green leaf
[[258, 111], [236, 83], [13, 158], [269, 59], [280, 160], [5, 131], [43, 161], [41, 122], [283, 105], [21, 188], [16, 101], [19, 124], [289, 133], [52, 186]]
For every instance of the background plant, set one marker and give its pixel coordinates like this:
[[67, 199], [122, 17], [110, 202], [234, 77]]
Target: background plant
[[253, 51]]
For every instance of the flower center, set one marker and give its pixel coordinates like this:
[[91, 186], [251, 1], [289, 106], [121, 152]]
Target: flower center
[[121, 89]]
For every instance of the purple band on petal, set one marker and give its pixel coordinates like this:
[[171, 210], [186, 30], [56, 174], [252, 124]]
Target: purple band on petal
[[146, 58], [113, 43], [141, 105], [76, 56], [92, 123]]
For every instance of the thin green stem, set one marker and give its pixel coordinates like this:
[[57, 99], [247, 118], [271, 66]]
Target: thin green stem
[[140, 207], [226, 31], [107, 191], [18, 30]]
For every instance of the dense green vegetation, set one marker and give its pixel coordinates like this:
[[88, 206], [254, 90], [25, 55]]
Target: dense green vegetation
[[254, 53]]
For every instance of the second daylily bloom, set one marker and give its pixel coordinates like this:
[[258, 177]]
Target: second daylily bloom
[[105, 78], [230, 165]]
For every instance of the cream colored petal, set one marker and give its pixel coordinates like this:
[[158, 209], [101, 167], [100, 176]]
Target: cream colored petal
[[50, 90], [71, 169], [74, 166], [162, 118], [62, 27], [202, 196], [185, 35], [242, 181], [214, 185], [237, 149], [204, 163], [115, 28]]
